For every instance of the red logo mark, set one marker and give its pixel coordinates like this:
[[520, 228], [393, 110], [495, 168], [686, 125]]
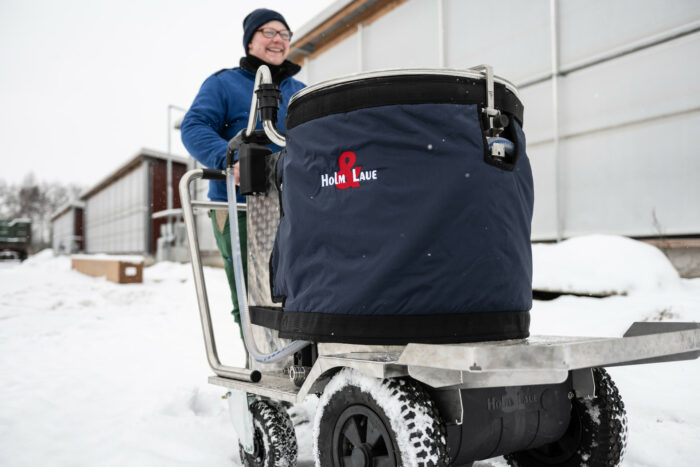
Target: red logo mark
[[350, 174]]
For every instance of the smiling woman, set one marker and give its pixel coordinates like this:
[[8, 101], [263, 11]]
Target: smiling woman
[[221, 109], [268, 43]]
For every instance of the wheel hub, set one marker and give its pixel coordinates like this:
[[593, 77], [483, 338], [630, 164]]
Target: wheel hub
[[361, 456], [361, 439]]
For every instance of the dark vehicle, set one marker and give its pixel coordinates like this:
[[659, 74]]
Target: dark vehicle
[[15, 238]]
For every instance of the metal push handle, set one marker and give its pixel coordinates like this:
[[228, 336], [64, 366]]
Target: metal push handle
[[241, 374], [263, 77]]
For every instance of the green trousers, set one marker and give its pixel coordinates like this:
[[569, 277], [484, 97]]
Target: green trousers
[[222, 234]]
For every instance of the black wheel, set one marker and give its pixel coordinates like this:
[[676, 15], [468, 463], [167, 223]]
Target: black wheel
[[596, 436], [363, 421], [275, 443]]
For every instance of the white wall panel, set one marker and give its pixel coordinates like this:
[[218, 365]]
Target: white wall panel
[[342, 59], [510, 35], [616, 180], [544, 217], [591, 27], [115, 217], [62, 232], [538, 116], [303, 74], [659, 80], [406, 37]]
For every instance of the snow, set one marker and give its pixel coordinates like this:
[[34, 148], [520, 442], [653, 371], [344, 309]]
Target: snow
[[593, 264], [99, 374]]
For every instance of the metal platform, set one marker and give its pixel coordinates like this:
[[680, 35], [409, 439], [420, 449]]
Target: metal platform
[[537, 360]]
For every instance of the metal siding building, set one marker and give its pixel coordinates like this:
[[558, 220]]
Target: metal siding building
[[611, 95], [67, 228], [118, 210]]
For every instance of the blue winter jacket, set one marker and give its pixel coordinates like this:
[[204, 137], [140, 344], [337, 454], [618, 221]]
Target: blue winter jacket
[[219, 112]]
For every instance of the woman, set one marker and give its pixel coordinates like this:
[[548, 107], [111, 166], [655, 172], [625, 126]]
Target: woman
[[221, 110]]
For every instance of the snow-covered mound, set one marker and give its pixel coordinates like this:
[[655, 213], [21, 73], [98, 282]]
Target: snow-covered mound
[[600, 265], [42, 258]]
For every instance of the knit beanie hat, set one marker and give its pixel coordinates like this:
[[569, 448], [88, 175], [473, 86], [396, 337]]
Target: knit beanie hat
[[257, 18]]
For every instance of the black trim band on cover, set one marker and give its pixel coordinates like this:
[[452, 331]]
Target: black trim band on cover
[[394, 329], [396, 90], [267, 316]]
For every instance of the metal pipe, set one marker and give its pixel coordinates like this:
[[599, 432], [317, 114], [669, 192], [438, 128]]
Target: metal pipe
[[441, 33], [262, 76], [273, 134], [617, 126], [217, 205], [148, 195], [253, 113], [554, 37], [166, 213], [360, 46], [241, 374], [642, 44], [241, 292], [169, 176], [169, 170]]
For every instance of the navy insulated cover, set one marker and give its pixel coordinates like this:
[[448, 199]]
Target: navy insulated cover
[[395, 229]]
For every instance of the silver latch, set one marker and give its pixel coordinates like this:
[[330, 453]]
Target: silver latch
[[496, 121]]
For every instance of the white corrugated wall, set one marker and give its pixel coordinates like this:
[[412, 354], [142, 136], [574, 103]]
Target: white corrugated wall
[[62, 231], [627, 95], [116, 218]]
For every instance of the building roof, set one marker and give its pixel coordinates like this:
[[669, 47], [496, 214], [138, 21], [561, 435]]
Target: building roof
[[67, 207], [143, 155], [338, 21]]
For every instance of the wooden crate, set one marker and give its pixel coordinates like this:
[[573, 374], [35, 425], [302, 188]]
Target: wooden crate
[[115, 270]]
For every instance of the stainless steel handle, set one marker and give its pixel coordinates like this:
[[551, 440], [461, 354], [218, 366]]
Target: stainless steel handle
[[241, 374]]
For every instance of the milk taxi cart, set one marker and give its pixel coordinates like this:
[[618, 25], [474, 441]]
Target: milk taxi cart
[[389, 272]]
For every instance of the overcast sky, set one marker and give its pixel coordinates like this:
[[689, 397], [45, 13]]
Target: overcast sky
[[84, 84]]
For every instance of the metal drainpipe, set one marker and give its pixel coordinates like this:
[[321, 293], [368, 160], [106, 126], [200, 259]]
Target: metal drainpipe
[[169, 177], [148, 209], [554, 37], [360, 46], [441, 33]]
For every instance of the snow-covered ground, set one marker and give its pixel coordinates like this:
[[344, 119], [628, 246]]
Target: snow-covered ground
[[98, 374]]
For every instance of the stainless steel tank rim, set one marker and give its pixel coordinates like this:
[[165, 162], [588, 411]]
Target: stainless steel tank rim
[[472, 74]]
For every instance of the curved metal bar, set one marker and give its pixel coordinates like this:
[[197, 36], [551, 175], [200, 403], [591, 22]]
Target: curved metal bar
[[263, 76], [273, 134], [241, 374]]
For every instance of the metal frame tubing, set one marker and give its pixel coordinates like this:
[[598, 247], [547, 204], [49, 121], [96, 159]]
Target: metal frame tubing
[[263, 76], [241, 374]]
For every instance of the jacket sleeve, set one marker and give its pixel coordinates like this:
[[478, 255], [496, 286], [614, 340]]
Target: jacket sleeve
[[204, 123]]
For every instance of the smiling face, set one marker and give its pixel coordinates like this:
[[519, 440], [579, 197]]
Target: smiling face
[[273, 51]]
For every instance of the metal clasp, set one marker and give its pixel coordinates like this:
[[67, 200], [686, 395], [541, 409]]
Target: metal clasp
[[495, 120]]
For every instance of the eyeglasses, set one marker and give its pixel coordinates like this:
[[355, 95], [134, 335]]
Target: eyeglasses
[[270, 33]]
